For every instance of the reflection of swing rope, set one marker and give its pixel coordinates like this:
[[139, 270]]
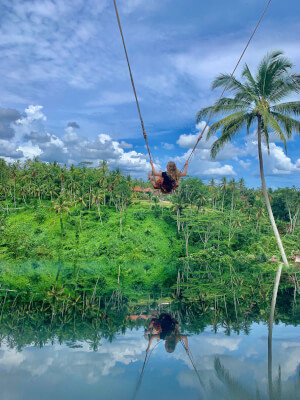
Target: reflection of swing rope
[[189, 353], [147, 357]]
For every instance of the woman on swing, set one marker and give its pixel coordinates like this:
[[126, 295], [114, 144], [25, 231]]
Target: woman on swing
[[169, 180]]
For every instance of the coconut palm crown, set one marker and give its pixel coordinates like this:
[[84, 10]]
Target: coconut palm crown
[[256, 100]]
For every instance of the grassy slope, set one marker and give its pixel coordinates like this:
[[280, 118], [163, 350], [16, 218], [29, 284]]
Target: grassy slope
[[37, 235]]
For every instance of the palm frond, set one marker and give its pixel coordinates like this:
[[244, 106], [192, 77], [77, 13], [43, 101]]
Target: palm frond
[[270, 121], [225, 105], [233, 386], [230, 128], [231, 82], [250, 119], [226, 121], [283, 86], [272, 67], [247, 74], [290, 124], [291, 107]]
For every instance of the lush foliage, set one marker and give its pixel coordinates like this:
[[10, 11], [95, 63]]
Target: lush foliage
[[187, 245]]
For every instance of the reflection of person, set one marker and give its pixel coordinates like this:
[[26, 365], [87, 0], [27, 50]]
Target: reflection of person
[[166, 328]]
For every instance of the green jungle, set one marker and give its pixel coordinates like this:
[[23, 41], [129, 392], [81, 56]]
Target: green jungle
[[86, 236]]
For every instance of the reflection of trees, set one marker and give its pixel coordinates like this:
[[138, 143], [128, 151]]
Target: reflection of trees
[[276, 390], [292, 391], [76, 314], [235, 390]]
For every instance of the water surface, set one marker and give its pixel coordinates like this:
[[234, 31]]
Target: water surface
[[231, 366]]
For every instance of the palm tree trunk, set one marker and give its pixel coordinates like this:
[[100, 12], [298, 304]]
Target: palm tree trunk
[[271, 322], [265, 193], [61, 225], [178, 220], [99, 212]]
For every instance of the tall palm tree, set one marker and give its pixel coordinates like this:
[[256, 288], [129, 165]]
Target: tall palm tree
[[255, 101], [223, 187], [61, 206]]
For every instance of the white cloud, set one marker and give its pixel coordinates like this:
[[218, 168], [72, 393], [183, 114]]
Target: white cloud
[[201, 163], [70, 136], [11, 359], [33, 113], [29, 150], [223, 170], [167, 146], [229, 151], [9, 150], [187, 140], [125, 145], [245, 164], [276, 162], [32, 139], [202, 166]]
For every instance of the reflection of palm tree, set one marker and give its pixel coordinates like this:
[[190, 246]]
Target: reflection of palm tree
[[238, 391], [271, 322]]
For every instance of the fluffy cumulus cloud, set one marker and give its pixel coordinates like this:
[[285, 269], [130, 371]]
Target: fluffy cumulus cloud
[[31, 138], [201, 163], [243, 154], [276, 162]]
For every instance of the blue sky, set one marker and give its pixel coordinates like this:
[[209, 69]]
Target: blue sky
[[66, 94]]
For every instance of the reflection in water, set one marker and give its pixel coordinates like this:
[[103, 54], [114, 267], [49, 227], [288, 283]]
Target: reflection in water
[[107, 358], [270, 335], [166, 328]]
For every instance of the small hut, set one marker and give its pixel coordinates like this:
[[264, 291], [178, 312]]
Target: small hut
[[274, 260]]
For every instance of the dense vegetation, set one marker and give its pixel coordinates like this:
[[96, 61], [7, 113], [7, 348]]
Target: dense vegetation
[[72, 320], [93, 227]]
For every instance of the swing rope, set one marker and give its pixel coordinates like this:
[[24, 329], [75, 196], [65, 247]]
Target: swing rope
[[188, 352], [226, 86], [132, 82], [216, 104], [146, 360]]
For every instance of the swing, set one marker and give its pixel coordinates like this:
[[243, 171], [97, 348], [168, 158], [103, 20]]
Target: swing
[[218, 101]]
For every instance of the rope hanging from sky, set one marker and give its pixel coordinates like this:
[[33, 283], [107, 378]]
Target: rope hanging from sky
[[132, 82], [216, 104], [225, 88]]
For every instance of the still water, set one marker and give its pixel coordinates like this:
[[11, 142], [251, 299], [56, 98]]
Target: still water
[[215, 366]]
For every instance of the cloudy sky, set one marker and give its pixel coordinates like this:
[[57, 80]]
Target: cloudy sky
[[65, 92], [112, 372]]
